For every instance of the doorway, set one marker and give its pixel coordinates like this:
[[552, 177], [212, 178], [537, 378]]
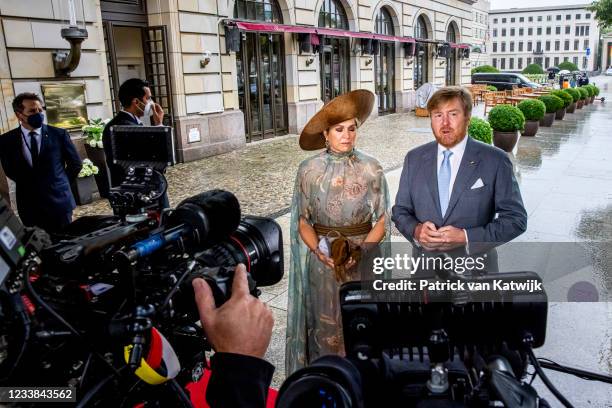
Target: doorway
[[261, 85], [139, 52], [384, 68], [334, 68]]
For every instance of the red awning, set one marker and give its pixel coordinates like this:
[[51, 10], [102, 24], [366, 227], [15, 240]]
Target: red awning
[[330, 32], [273, 28], [453, 45]]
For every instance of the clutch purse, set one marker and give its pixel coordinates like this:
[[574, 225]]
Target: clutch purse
[[343, 249]]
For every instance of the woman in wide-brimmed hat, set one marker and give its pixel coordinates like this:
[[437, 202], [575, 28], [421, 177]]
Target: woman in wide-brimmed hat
[[340, 202]]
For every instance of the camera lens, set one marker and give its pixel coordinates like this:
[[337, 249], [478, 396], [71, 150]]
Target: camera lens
[[257, 243], [330, 381]]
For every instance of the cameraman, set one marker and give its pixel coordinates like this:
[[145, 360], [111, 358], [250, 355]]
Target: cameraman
[[239, 331]]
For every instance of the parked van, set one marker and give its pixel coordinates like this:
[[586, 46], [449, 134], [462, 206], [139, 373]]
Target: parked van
[[503, 80]]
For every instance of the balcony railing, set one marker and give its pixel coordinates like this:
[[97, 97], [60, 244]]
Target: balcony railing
[[538, 52]]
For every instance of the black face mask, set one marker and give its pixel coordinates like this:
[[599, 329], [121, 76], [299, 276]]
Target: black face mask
[[36, 120]]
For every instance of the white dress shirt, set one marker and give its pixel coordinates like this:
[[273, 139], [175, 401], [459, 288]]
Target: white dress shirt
[[25, 142]]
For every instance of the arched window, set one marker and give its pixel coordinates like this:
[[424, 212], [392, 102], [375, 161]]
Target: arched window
[[420, 29], [384, 24], [332, 15], [258, 10], [451, 34]]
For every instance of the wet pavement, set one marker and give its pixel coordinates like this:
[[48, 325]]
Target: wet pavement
[[565, 175]]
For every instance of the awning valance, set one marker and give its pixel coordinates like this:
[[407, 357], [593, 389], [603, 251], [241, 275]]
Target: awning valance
[[331, 32], [273, 28]]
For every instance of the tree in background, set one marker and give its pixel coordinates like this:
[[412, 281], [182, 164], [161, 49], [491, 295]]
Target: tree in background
[[603, 12], [484, 68], [570, 66], [533, 69]]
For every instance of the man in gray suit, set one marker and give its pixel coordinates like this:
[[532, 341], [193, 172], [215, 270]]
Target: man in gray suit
[[457, 193]]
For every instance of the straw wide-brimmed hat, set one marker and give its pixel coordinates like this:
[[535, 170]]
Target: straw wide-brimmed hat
[[356, 104]]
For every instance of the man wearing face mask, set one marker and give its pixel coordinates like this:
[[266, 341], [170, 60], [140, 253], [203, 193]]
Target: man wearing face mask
[[42, 161], [137, 108]]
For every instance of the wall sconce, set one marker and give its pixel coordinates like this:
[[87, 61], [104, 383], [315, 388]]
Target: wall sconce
[[64, 62], [442, 62], [409, 62], [204, 62], [309, 60], [369, 61]]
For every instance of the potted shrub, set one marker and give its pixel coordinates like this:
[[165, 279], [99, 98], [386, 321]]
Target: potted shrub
[[84, 186], [95, 152], [491, 88], [533, 110], [506, 121], [575, 97], [583, 95], [553, 104], [566, 99], [587, 100], [596, 89], [480, 129], [591, 89]]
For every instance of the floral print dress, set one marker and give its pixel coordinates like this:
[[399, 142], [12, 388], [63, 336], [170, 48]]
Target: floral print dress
[[333, 190]]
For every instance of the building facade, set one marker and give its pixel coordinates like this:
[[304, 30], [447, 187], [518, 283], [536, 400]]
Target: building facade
[[229, 72], [481, 35], [545, 36]]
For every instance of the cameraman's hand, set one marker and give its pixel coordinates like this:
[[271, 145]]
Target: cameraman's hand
[[242, 325]]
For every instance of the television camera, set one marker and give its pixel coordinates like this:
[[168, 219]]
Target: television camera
[[107, 307], [442, 349]]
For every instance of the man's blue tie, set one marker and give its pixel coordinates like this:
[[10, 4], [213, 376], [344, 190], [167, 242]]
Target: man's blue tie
[[444, 177]]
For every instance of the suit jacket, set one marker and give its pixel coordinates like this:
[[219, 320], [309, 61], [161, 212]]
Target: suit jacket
[[475, 209], [43, 192], [121, 119]]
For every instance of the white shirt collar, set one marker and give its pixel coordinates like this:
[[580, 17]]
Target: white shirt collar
[[26, 132], [457, 149]]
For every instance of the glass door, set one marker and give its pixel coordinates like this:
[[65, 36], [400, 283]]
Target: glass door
[[384, 68], [420, 65], [335, 78], [451, 67], [261, 85]]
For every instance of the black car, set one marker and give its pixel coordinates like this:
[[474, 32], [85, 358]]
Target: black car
[[503, 80]]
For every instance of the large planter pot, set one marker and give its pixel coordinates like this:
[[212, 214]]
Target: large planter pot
[[571, 108], [592, 98], [83, 189], [531, 127], [505, 140], [587, 101], [548, 119], [560, 114], [580, 103], [98, 158]]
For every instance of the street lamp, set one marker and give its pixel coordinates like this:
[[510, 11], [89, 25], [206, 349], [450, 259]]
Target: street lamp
[[65, 62]]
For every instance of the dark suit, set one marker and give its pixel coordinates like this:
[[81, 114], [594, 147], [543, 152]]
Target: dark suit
[[473, 209], [44, 197], [121, 119]]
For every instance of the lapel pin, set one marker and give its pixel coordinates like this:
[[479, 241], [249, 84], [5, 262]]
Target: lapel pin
[[472, 162]]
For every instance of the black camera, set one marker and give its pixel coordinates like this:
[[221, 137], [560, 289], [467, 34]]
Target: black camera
[[144, 153], [415, 348], [91, 308]]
